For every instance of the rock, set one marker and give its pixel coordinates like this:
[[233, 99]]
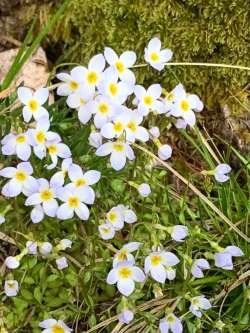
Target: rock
[[34, 73]]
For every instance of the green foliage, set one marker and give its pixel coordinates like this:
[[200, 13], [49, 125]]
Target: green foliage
[[80, 294], [196, 30]]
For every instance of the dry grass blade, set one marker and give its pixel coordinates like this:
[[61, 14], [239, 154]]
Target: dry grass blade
[[7, 239]]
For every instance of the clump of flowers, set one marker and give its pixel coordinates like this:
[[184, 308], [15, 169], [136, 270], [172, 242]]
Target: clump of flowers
[[120, 113]]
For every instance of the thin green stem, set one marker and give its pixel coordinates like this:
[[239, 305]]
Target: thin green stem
[[203, 64]]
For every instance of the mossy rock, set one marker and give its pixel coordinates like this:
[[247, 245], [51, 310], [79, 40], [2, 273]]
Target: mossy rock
[[216, 31]]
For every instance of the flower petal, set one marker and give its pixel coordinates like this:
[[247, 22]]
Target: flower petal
[[82, 211], [126, 286], [41, 95], [24, 94]]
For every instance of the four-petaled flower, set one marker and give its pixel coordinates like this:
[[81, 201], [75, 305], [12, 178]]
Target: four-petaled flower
[[125, 275]]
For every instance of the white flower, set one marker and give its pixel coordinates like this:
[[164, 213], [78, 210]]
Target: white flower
[[144, 189], [17, 145], [71, 82], [77, 100], [124, 254], [45, 248], [11, 288], [54, 326], [185, 105], [133, 129], [83, 106], [80, 179], [148, 99], [128, 214], [115, 218], [12, 262], [171, 97], [102, 108], [45, 196], [221, 171], [199, 303], [116, 128], [164, 152], [40, 135], [155, 264], [124, 274], [75, 200], [2, 219], [91, 76], [107, 231], [31, 247], [64, 244], [126, 316], [171, 323], [59, 177], [223, 259], [156, 57], [178, 232], [198, 266], [155, 132], [95, 139], [21, 180], [33, 102], [61, 263], [57, 149], [116, 91], [122, 63], [119, 152]]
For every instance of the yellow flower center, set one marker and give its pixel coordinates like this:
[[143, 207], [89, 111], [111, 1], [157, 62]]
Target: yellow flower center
[[195, 301], [125, 272], [80, 182], [33, 105], [119, 147], [46, 195], [131, 125], [11, 285], [148, 100], [73, 202], [21, 139], [21, 176], [184, 105], [52, 149], [82, 101], [170, 318], [170, 97], [112, 217], [106, 231], [113, 89], [92, 77], [73, 85], [118, 127], [120, 66], [122, 255], [155, 260], [154, 56], [40, 137], [57, 329], [103, 108]]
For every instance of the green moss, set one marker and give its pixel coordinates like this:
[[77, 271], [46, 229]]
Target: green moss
[[196, 30]]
